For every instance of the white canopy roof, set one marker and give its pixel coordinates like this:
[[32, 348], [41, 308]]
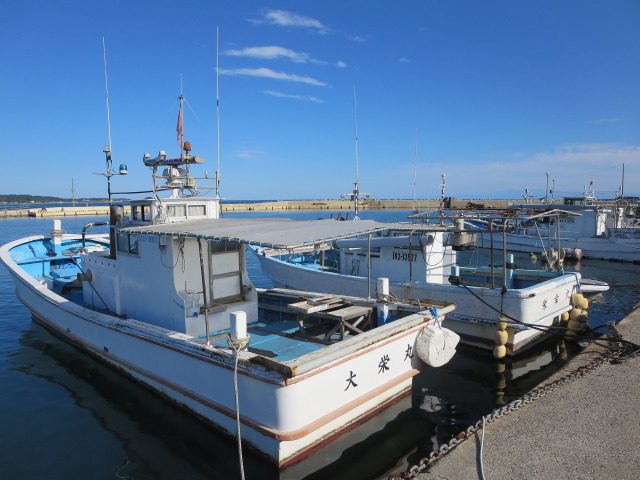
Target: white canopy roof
[[274, 233]]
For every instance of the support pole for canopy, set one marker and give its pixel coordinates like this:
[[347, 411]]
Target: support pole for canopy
[[504, 252], [491, 250], [369, 265], [204, 291]]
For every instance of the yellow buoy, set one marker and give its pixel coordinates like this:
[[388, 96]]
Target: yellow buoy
[[576, 299], [575, 325], [499, 351], [501, 337], [574, 328], [575, 313], [565, 316], [583, 317], [502, 323], [584, 303]]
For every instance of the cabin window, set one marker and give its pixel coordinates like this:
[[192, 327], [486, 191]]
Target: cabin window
[[224, 246], [128, 243], [133, 244], [135, 213], [177, 210], [146, 212], [226, 271], [123, 243], [197, 210]]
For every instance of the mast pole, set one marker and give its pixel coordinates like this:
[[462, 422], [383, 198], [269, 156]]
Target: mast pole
[[355, 195], [415, 163], [181, 98], [107, 149], [356, 190], [217, 117]]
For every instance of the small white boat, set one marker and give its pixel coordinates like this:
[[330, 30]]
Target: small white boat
[[420, 262], [589, 286], [596, 230], [171, 305]]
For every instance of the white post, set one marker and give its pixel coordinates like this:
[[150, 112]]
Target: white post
[[238, 325], [56, 235], [382, 287]]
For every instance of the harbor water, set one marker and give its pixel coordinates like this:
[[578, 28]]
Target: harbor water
[[65, 415]]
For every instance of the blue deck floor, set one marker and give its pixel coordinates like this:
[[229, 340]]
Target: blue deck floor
[[272, 338]]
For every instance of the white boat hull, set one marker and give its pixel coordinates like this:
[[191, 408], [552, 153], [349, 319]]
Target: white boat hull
[[283, 418], [613, 248], [474, 319]]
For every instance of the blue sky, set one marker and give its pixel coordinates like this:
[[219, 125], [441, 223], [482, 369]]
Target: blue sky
[[494, 94]]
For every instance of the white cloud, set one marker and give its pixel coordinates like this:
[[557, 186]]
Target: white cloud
[[608, 120], [295, 97], [272, 53], [341, 64], [268, 73], [404, 60], [572, 167], [289, 19], [249, 154]]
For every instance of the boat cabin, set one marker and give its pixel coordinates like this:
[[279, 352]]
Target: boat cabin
[[150, 210], [189, 276], [399, 256]]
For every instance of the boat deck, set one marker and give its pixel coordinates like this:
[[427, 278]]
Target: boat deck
[[277, 340]]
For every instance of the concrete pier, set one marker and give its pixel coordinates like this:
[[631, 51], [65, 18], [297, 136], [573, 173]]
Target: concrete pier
[[587, 429], [371, 204], [17, 211]]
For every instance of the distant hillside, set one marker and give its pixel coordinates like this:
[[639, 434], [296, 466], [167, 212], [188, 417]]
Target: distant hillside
[[41, 199]]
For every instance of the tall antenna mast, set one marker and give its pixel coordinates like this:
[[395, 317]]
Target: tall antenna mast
[[415, 163], [355, 195], [107, 148], [355, 122], [180, 126], [217, 117], [106, 88]]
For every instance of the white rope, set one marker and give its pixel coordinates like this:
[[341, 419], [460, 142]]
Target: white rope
[[238, 345], [481, 447]]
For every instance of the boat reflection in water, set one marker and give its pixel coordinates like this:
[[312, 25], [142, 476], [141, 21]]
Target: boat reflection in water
[[146, 436], [470, 387]]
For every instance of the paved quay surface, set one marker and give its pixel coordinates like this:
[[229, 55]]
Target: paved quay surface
[[587, 429]]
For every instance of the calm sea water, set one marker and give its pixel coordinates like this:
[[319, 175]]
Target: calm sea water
[[66, 416]]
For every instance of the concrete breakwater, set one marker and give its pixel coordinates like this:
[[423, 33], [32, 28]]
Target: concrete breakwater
[[17, 211], [70, 211], [374, 204]]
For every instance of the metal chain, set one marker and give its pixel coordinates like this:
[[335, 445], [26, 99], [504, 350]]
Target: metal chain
[[611, 355]]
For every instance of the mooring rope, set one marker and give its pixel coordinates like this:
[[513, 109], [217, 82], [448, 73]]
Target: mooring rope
[[238, 345]]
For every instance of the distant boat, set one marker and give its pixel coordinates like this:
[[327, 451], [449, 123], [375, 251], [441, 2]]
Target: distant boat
[[601, 231]]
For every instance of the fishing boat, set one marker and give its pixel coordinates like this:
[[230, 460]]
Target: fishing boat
[[420, 262], [584, 227], [165, 298]]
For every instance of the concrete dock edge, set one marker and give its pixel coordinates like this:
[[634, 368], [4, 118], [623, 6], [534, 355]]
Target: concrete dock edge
[[586, 429]]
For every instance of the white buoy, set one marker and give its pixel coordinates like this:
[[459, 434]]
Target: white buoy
[[238, 325], [435, 345]]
